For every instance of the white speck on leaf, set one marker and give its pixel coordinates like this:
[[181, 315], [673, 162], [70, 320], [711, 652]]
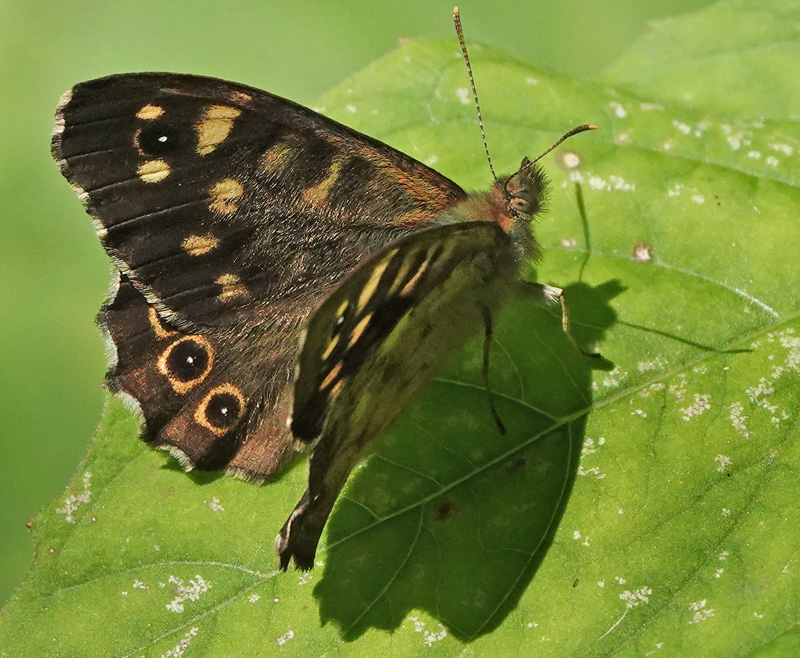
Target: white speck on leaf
[[73, 502], [699, 199], [772, 161], [463, 95], [189, 592], [648, 390], [623, 138], [725, 511], [701, 404], [179, 649], [782, 148], [653, 364], [723, 462], [214, 505], [570, 159], [438, 636], [701, 613], [685, 128], [283, 639], [738, 419], [754, 155], [619, 109], [632, 598], [613, 378]]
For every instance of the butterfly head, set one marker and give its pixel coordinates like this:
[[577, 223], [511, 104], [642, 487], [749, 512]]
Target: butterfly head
[[524, 191]]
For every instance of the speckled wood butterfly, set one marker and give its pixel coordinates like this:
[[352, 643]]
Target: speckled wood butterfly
[[242, 224]]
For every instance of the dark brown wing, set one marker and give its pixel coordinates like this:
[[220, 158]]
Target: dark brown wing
[[213, 196], [230, 213]]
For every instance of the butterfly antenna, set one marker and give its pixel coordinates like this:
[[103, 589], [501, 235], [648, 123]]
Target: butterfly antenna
[[567, 135], [460, 33]]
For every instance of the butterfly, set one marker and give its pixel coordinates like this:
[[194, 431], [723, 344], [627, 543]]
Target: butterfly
[[284, 283]]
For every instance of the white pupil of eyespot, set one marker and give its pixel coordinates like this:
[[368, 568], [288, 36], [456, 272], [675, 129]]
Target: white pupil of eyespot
[[190, 360], [162, 139]]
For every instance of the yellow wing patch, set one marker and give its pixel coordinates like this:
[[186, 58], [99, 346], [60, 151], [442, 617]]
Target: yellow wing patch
[[197, 245], [153, 171], [214, 127], [150, 112], [232, 287], [225, 196]]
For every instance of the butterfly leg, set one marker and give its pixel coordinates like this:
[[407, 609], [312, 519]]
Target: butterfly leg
[[551, 294], [487, 347], [289, 545]]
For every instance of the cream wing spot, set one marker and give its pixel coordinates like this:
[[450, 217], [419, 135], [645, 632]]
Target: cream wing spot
[[412, 282], [225, 195], [232, 287], [372, 283], [214, 127], [198, 245], [158, 327], [153, 171], [332, 376], [320, 191], [358, 330], [277, 158], [329, 349], [150, 112]]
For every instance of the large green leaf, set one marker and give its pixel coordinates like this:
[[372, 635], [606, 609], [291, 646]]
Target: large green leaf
[[680, 532]]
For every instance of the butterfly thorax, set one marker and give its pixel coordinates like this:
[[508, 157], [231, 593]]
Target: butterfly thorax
[[511, 203]]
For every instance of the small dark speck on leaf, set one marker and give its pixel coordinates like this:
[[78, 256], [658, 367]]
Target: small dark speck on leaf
[[446, 510], [515, 464]]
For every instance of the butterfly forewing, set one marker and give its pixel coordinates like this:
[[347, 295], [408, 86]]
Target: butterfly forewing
[[241, 195]]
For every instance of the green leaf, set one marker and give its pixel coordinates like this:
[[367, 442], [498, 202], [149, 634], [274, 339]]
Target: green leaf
[[679, 535], [738, 58]]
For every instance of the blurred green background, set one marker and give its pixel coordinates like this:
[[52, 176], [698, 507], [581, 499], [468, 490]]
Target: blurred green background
[[53, 273]]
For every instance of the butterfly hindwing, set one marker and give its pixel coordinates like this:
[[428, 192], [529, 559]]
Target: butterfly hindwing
[[199, 403], [372, 344]]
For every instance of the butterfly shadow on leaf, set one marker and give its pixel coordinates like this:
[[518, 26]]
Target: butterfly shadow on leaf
[[450, 516]]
